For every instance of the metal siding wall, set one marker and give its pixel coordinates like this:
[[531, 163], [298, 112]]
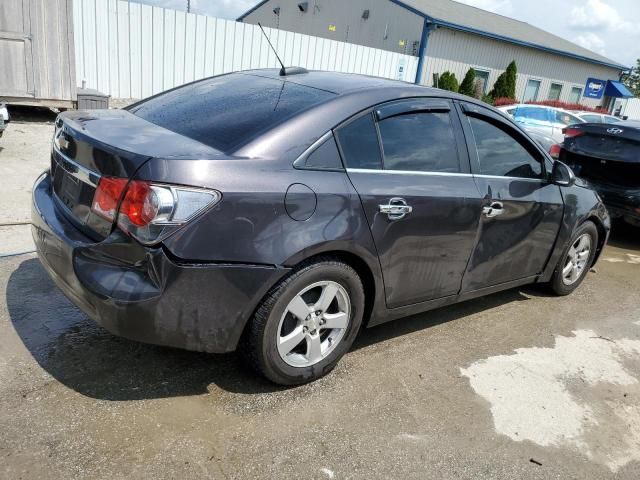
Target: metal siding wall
[[630, 108], [346, 16], [52, 70], [456, 51], [129, 50]]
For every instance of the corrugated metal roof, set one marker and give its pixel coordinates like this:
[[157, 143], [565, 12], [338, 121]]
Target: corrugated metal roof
[[491, 24]]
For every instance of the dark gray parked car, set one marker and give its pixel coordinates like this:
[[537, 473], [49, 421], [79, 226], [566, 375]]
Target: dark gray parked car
[[280, 214]]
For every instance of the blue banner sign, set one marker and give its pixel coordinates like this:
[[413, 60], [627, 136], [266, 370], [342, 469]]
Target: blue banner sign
[[594, 88]]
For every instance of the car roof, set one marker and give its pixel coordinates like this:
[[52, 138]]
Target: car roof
[[353, 84], [335, 82], [352, 93]]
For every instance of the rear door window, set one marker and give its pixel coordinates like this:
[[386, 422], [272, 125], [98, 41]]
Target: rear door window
[[610, 119], [500, 153], [592, 118], [421, 142], [359, 145], [324, 157]]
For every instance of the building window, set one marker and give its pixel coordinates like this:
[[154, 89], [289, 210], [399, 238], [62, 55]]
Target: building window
[[554, 91], [483, 76], [576, 93], [532, 90]]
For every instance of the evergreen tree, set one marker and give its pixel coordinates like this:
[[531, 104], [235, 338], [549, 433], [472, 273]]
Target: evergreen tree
[[467, 85], [499, 88], [511, 72], [632, 79], [505, 85], [448, 81]]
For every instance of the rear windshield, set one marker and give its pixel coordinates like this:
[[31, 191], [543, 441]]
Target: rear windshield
[[228, 111]]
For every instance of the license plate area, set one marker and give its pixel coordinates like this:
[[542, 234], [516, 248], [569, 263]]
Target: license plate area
[[69, 192], [73, 187]]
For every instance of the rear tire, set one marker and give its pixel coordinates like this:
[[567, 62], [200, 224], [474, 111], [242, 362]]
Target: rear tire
[[306, 323], [576, 260]]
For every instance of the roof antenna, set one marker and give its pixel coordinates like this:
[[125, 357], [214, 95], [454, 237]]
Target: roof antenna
[[283, 70]]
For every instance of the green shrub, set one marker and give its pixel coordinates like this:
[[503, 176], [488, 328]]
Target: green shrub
[[448, 81], [505, 86], [467, 85]]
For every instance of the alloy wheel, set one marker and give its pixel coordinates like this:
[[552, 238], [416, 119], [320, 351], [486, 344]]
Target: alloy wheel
[[313, 324], [577, 259]]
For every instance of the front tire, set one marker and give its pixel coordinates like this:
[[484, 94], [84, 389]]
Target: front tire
[[576, 260], [306, 323]]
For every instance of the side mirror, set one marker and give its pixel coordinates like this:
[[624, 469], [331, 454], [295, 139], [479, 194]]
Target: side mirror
[[562, 175]]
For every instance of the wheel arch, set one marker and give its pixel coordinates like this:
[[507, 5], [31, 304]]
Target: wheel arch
[[372, 286], [363, 270], [602, 234]]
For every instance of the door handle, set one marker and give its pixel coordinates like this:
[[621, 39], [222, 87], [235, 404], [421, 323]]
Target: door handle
[[493, 210], [396, 209]]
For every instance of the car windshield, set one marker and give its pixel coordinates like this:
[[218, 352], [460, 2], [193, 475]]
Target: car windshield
[[228, 111], [531, 113]]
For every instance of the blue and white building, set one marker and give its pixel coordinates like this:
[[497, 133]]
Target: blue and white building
[[451, 36]]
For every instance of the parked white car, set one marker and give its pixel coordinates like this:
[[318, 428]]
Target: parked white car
[[593, 117], [4, 118], [547, 121]]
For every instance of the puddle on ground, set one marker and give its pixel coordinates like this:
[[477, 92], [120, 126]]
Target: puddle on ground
[[626, 258], [580, 394]]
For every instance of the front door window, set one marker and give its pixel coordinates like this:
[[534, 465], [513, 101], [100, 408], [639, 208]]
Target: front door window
[[499, 154]]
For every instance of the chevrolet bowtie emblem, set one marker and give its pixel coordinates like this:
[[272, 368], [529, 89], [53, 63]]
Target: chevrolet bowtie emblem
[[62, 142]]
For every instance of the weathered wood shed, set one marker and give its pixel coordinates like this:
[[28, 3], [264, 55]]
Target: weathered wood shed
[[37, 59]]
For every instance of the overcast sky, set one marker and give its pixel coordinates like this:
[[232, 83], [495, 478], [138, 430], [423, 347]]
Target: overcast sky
[[609, 27]]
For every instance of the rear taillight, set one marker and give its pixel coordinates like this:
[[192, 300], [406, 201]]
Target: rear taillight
[[570, 132], [140, 205], [555, 150], [107, 197], [150, 212]]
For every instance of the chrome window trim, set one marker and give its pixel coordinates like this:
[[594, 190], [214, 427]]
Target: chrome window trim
[[439, 174], [512, 178], [408, 172], [300, 162]]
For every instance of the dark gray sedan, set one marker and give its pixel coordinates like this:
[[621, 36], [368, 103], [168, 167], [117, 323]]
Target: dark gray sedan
[[280, 214]]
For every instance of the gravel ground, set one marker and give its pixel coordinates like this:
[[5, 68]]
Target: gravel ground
[[24, 155], [514, 385]]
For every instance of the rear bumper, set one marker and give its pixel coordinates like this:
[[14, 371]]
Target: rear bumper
[[141, 293], [620, 203]]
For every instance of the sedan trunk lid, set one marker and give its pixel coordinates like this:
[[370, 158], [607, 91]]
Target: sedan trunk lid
[[113, 143], [619, 142]]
